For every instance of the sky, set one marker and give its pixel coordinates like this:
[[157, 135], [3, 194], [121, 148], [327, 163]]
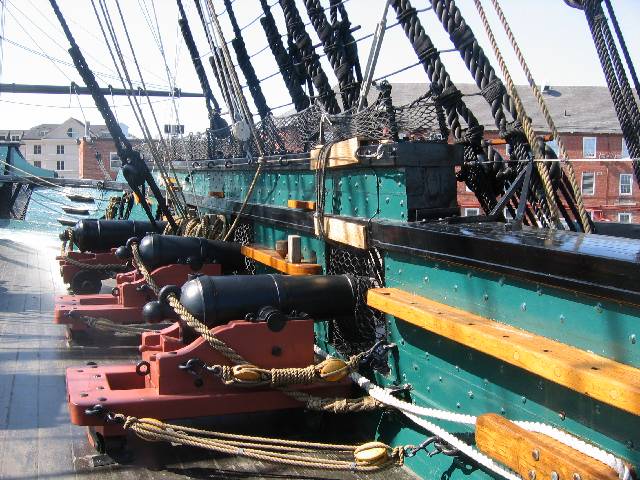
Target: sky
[[554, 38]]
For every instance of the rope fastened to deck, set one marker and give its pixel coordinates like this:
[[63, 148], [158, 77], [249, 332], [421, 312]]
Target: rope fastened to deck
[[368, 457]]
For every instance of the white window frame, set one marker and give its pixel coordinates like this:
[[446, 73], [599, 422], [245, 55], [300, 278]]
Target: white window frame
[[627, 214], [595, 147], [593, 190], [468, 212], [630, 192], [58, 164], [15, 138], [38, 148], [624, 151], [38, 162], [59, 149], [118, 163]]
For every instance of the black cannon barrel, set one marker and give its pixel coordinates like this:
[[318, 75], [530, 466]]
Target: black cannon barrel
[[100, 235], [218, 300], [159, 250]]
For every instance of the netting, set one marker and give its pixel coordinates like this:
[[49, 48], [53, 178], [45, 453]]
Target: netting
[[422, 119], [243, 234], [360, 332]]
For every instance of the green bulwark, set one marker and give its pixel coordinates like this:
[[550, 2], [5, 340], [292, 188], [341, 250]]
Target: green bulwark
[[442, 373]]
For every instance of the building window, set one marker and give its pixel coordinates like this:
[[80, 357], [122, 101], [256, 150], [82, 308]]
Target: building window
[[37, 149], [114, 160], [60, 165], [15, 138], [588, 183], [70, 132], [624, 217], [37, 163], [625, 184], [60, 150], [625, 150], [589, 147], [2, 137], [471, 212]]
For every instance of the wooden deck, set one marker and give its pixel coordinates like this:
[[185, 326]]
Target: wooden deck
[[36, 438]]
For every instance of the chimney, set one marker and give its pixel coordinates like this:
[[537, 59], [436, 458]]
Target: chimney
[[87, 127]]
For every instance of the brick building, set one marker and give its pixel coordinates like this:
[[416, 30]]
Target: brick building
[[588, 125]]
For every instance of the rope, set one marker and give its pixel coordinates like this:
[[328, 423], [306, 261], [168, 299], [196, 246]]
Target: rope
[[415, 412], [571, 175], [106, 325], [304, 44], [527, 126], [246, 375], [111, 267], [252, 186], [623, 44], [292, 80], [277, 451], [311, 402]]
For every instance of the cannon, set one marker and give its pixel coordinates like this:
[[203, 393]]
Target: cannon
[[169, 259], [170, 382], [91, 235], [158, 250]]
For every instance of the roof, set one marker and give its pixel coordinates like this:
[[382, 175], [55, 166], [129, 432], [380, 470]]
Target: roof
[[574, 109], [35, 133]]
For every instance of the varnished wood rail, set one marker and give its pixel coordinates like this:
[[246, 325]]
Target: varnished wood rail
[[272, 259], [601, 378]]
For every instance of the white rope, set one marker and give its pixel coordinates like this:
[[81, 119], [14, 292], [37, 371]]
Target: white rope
[[415, 412], [465, 448]]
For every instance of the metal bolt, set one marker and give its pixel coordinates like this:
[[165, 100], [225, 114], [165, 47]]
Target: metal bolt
[[562, 318], [536, 455], [485, 297], [532, 475], [599, 308], [555, 476], [632, 338], [523, 307], [576, 476], [470, 393], [440, 378], [455, 287], [524, 399], [426, 279], [457, 404]]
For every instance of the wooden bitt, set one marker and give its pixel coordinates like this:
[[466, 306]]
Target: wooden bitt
[[342, 231], [525, 452], [272, 259], [597, 377], [341, 154], [301, 204]]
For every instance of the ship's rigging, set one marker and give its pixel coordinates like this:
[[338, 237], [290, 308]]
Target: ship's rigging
[[530, 184]]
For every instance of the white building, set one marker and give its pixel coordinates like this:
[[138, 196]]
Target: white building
[[56, 146]]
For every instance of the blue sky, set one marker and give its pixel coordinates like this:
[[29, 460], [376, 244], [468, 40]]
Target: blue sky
[[554, 37]]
